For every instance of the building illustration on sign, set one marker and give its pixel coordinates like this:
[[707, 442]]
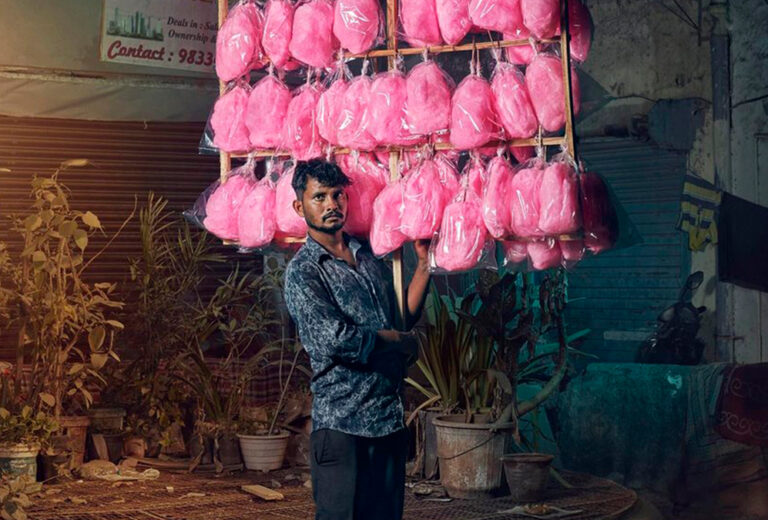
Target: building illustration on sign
[[135, 25]]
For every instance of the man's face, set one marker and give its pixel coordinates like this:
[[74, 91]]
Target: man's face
[[324, 208]]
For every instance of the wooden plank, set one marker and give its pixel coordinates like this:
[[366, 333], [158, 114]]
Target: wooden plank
[[263, 492], [565, 58], [225, 161], [391, 52]]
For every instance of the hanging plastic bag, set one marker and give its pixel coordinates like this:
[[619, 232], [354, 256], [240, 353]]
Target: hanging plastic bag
[[572, 251], [354, 119], [559, 212], [222, 207], [330, 107], [419, 21], [423, 201], [453, 20], [278, 28], [386, 110], [600, 220], [524, 200], [473, 120], [541, 17], [312, 39], [387, 216], [428, 100], [497, 197], [463, 243], [503, 16], [449, 177], [357, 24], [515, 253], [238, 44], [544, 79], [227, 122], [512, 103], [289, 223], [544, 254], [257, 215], [580, 29], [520, 54], [300, 134], [476, 174], [267, 108], [367, 178]]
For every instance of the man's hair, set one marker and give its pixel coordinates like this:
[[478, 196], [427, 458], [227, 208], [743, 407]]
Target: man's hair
[[327, 174]]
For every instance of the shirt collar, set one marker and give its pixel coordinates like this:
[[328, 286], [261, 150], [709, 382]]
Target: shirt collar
[[317, 252]]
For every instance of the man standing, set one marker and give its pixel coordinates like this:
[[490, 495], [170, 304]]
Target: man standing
[[342, 300]]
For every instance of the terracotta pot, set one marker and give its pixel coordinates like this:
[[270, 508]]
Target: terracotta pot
[[135, 447], [76, 429], [527, 475]]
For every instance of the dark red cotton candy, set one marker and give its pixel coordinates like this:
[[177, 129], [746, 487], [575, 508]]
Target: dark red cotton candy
[[580, 28], [601, 224]]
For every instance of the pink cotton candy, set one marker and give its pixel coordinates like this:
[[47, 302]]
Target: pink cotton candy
[[453, 20], [256, 220], [387, 215], [496, 15], [329, 111], [423, 201], [428, 100], [368, 179], [544, 254], [354, 118], [580, 29], [449, 177], [223, 205], [541, 17], [477, 177], [278, 28], [512, 103], [520, 54], [462, 238], [267, 107], [559, 200], [419, 19], [289, 223], [357, 24], [300, 134], [230, 132], [524, 202], [473, 121], [238, 44], [522, 153], [386, 109], [515, 252], [572, 250], [544, 79], [496, 197], [312, 39], [601, 223]]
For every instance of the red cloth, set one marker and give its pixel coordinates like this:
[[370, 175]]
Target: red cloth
[[742, 409]]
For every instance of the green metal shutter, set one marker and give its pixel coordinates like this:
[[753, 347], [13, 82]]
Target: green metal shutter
[[619, 294]]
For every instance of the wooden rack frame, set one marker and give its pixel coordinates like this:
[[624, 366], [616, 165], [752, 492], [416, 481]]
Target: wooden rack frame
[[391, 52]]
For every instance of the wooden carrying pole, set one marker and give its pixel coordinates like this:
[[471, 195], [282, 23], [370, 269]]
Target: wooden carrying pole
[[391, 53]]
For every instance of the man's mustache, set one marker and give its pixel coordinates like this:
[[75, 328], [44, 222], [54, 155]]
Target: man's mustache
[[333, 214]]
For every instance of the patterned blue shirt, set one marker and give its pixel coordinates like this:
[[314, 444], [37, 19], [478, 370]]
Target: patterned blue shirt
[[338, 310]]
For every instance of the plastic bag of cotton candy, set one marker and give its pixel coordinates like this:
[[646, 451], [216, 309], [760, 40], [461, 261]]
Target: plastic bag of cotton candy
[[289, 223], [257, 214], [266, 111], [473, 120], [463, 243], [216, 209], [300, 134], [428, 99], [238, 44], [358, 24], [419, 23], [388, 209], [227, 130], [278, 29], [312, 40], [544, 80], [367, 178]]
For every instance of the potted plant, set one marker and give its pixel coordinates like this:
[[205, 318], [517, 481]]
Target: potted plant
[[66, 322], [264, 444], [508, 311], [238, 320], [22, 433]]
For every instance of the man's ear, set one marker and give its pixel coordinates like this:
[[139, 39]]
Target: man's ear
[[298, 207]]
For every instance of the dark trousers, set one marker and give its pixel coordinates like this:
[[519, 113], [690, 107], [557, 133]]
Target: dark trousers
[[358, 478]]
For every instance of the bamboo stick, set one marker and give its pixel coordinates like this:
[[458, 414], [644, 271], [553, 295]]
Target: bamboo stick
[[225, 161], [439, 49]]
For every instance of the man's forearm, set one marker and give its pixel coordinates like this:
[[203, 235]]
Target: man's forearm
[[417, 292]]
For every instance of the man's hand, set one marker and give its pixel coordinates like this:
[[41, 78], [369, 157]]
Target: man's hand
[[422, 251]]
